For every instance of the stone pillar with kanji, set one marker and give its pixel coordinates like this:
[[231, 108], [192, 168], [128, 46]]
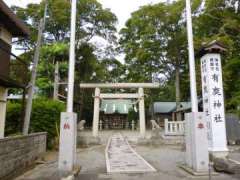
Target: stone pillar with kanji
[[213, 98]]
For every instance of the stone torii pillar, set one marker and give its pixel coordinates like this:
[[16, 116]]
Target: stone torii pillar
[[142, 112], [96, 112], [139, 95]]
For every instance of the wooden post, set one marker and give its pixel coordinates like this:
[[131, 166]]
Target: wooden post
[[34, 74]]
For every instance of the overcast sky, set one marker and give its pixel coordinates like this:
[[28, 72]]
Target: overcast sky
[[122, 8]]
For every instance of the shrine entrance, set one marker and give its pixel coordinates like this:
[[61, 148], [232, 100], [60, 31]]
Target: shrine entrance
[[138, 96], [114, 114]]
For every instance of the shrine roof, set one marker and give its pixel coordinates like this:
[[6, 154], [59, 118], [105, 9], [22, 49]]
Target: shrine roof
[[168, 107]]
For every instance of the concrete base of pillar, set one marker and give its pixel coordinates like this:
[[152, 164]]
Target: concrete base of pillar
[[197, 156], [69, 175], [196, 173], [67, 144]]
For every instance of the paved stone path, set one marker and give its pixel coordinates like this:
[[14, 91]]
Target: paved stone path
[[93, 162], [120, 157]]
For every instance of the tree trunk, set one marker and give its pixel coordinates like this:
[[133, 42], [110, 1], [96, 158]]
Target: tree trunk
[[177, 85]]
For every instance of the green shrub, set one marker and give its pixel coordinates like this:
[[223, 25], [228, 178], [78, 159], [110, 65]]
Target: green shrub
[[45, 117], [13, 118]]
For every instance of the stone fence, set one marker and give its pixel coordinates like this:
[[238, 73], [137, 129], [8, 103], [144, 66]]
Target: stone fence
[[20, 152], [174, 128]]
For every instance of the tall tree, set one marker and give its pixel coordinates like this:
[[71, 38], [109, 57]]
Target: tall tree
[[95, 25], [220, 20], [154, 41]]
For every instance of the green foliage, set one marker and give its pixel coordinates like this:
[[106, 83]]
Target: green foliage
[[13, 118], [45, 117], [132, 115], [155, 42], [220, 21], [92, 21], [57, 51], [232, 83]]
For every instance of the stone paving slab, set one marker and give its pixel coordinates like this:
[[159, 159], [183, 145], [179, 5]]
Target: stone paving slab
[[120, 157], [235, 156]]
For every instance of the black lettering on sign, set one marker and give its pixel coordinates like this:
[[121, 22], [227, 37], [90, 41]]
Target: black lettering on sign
[[216, 91], [218, 118]]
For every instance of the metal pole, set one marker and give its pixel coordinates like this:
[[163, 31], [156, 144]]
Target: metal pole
[[34, 73], [72, 58], [191, 58]]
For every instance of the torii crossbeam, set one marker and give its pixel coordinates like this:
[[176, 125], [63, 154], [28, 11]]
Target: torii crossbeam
[[139, 96]]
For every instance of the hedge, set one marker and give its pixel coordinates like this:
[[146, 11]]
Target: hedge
[[13, 119], [45, 117]]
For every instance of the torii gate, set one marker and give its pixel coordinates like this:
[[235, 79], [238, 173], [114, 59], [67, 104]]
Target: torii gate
[[139, 95]]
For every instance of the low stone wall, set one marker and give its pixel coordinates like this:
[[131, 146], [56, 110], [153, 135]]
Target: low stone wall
[[20, 152]]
